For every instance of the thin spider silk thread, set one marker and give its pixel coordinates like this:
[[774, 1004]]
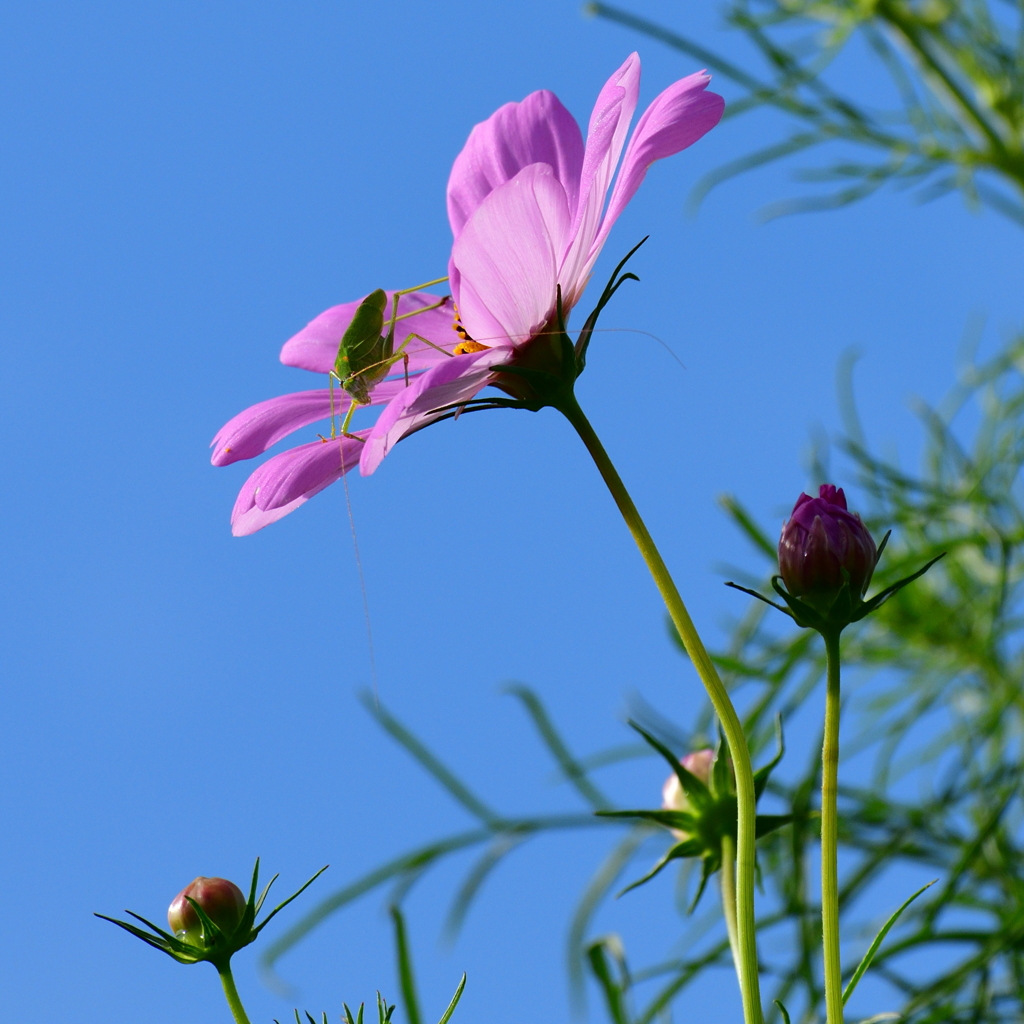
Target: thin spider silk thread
[[362, 587]]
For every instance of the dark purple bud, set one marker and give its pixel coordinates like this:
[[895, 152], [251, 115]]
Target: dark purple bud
[[222, 902], [820, 540]]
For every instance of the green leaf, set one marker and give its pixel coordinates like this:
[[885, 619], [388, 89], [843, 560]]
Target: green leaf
[[745, 521], [447, 1016], [441, 772], [762, 775], [419, 857], [405, 972], [782, 1010], [873, 948], [571, 768], [492, 856], [613, 993], [597, 888]]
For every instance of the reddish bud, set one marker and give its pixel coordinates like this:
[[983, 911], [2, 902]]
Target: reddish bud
[[222, 902], [821, 539], [697, 764]]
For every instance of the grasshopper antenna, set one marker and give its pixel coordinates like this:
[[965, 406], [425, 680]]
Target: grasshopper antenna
[[362, 587]]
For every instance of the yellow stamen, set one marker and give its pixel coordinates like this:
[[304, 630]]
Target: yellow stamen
[[469, 345], [460, 331]]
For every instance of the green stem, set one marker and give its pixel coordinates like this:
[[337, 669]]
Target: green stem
[[731, 725], [231, 994], [829, 839], [727, 878]]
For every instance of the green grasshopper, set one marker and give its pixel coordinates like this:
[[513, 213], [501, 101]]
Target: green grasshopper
[[366, 354]]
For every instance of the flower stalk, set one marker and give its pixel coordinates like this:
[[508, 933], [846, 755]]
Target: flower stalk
[[829, 837], [827, 558], [231, 994], [746, 936]]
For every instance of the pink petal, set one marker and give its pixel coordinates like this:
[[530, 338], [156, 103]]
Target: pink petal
[[315, 347], [537, 131], [507, 257], [609, 124], [449, 383], [676, 119], [261, 426], [290, 479]]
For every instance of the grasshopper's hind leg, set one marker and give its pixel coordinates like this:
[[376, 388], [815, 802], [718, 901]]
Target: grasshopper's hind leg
[[353, 405]]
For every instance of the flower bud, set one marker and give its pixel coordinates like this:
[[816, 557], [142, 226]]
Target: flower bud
[[222, 902], [697, 764], [820, 540]]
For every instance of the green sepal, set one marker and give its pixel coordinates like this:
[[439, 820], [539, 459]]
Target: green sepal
[[284, 903], [682, 820], [881, 547], [709, 865], [698, 793], [167, 936], [767, 823], [583, 341], [760, 597], [152, 940], [802, 613], [212, 934], [846, 607], [687, 848], [879, 599], [721, 777], [528, 372]]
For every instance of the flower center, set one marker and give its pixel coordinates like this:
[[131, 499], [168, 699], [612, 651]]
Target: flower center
[[467, 344]]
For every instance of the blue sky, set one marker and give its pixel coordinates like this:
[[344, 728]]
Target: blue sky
[[182, 187]]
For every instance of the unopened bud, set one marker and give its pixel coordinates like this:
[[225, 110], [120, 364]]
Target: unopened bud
[[821, 540], [697, 764], [222, 902]]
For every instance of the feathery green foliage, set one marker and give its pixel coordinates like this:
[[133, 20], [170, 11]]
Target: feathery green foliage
[[938, 707], [954, 119]]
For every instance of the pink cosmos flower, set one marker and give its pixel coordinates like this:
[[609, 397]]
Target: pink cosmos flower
[[530, 210]]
